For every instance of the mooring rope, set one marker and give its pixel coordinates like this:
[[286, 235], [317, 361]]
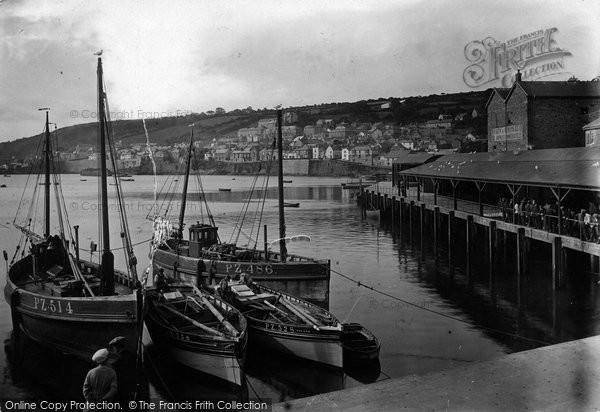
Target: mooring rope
[[415, 305]]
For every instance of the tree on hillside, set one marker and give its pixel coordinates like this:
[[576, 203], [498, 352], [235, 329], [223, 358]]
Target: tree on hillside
[[220, 111]]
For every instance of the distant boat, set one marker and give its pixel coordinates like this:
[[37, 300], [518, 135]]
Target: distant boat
[[291, 204], [224, 189], [287, 181], [127, 179], [2, 185], [6, 175], [83, 180]]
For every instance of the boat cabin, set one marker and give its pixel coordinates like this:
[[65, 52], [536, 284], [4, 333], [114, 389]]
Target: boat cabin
[[202, 236]]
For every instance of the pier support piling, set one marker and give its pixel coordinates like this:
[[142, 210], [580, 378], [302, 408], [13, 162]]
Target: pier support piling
[[557, 262], [520, 250]]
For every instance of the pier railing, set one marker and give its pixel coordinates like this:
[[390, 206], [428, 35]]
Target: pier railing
[[544, 221]]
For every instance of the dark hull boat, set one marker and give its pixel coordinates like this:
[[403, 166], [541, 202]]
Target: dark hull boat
[[290, 325], [198, 330], [56, 311], [203, 255], [58, 299]]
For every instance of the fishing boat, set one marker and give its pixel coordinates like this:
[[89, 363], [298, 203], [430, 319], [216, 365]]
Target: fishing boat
[[359, 343], [373, 213], [288, 324], [127, 179], [204, 254], [224, 189], [291, 204], [198, 330], [287, 181], [58, 299]]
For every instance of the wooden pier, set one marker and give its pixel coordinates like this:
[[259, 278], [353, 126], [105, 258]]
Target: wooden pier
[[399, 209]]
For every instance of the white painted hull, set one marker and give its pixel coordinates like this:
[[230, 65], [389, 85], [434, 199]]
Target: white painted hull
[[329, 352], [223, 367]]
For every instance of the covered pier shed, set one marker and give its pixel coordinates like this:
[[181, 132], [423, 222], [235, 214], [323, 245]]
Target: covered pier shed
[[568, 176]]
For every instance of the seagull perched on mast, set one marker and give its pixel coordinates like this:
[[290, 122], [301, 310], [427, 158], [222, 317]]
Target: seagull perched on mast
[[98, 53]]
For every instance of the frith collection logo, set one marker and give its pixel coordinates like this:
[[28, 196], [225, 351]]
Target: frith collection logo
[[493, 63]]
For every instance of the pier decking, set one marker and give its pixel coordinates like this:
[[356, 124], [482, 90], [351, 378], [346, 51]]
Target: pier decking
[[563, 377]]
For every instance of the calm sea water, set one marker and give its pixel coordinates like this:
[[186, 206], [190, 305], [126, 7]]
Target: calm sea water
[[455, 324]]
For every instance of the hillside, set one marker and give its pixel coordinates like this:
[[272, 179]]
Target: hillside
[[170, 130]]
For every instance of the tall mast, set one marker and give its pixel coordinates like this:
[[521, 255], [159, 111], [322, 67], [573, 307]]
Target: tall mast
[[185, 187], [107, 264], [282, 247], [47, 181]]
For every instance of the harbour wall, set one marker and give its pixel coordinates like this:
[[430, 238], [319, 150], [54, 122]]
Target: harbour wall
[[291, 167]]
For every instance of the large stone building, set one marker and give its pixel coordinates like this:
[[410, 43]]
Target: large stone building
[[540, 115]]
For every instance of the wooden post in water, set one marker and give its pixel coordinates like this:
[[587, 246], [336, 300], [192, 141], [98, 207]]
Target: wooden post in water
[[450, 233], [401, 210], [422, 218], [436, 222], [520, 250], [393, 210], [385, 206], [491, 244], [557, 262], [469, 248]]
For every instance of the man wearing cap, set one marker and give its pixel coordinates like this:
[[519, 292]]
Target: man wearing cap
[[160, 282], [101, 382], [124, 364]]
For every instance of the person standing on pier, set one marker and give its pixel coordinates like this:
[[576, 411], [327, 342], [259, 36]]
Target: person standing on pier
[[101, 382]]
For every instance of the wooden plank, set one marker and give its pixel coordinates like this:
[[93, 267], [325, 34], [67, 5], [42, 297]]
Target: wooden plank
[[300, 313], [215, 312], [190, 320]]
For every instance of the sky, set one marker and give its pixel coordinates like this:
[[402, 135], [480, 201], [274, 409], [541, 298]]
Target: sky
[[164, 58]]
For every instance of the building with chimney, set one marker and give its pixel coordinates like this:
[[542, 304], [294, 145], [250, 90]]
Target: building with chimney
[[541, 115]]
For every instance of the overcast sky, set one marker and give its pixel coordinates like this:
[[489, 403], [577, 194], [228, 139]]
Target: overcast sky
[[170, 56]]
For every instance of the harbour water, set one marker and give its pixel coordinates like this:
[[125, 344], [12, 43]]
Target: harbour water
[[445, 316]]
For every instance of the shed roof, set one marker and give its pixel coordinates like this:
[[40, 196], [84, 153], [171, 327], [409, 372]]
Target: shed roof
[[408, 157], [575, 168], [592, 125], [561, 89]]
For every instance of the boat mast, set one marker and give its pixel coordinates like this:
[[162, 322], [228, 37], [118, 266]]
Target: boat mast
[[107, 263], [185, 187], [282, 247], [47, 181]]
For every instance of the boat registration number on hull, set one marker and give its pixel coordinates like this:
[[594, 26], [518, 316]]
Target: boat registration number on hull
[[253, 269], [51, 305]]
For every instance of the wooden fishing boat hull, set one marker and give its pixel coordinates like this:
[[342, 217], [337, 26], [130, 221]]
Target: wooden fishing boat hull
[[359, 343], [324, 347], [223, 359], [321, 344], [307, 279], [77, 326]]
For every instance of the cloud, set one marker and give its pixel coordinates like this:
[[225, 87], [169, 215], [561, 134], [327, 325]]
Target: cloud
[[195, 56]]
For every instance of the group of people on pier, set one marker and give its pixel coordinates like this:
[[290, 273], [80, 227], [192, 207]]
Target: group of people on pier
[[580, 223]]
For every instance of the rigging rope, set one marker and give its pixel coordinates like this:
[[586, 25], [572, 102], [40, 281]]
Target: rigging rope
[[361, 284]]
